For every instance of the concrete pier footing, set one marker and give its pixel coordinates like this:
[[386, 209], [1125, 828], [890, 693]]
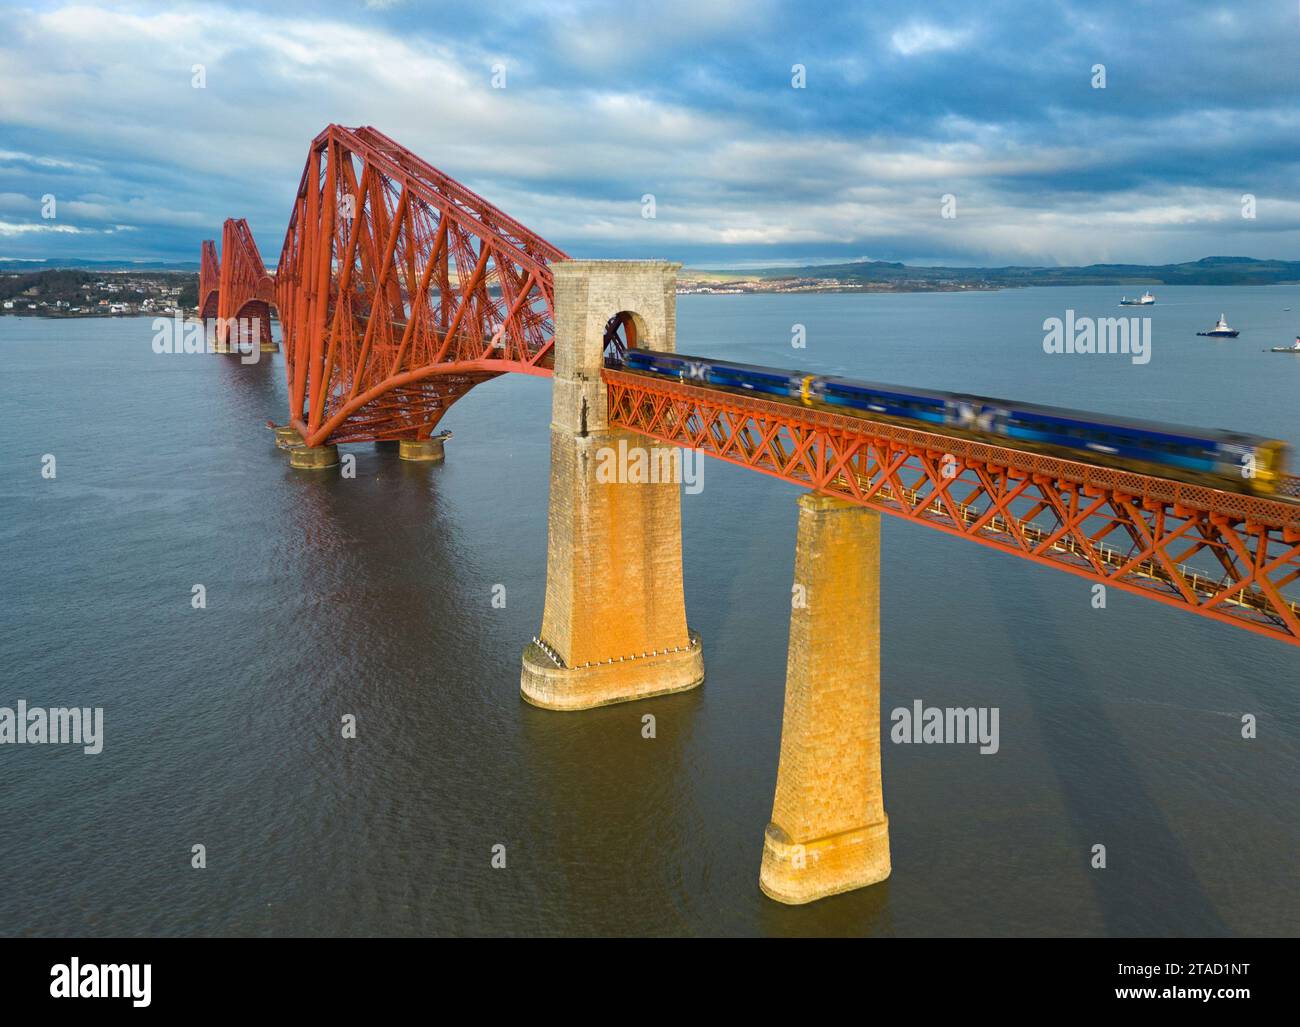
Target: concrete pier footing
[[421, 450], [313, 458], [547, 684], [614, 621], [286, 437], [829, 832], [269, 347]]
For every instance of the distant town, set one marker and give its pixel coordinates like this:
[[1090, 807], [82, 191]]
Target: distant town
[[71, 293], [120, 292]]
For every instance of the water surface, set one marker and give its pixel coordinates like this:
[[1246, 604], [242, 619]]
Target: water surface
[[372, 597]]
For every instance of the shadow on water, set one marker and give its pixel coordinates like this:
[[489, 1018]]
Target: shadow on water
[[358, 836], [1133, 828], [596, 821], [611, 816]]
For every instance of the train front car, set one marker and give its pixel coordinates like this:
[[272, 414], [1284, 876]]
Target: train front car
[[1226, 460], [1262, 463]]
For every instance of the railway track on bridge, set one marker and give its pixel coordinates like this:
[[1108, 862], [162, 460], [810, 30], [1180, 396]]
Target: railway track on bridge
[[1228, 556]]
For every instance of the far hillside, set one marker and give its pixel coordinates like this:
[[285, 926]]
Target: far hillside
[[1207, 271]]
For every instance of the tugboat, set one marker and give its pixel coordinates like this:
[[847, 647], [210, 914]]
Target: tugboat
[[1145, 300], [1289, 349], [1221, 331]]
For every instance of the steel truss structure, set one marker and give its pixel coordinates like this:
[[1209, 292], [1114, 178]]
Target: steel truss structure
[[399, 290], [209, 279], [1227, 556], [246, 290]]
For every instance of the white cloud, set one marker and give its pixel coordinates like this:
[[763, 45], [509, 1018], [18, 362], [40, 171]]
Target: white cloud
[[44, 162], [570, 162], [33, 227], [603, 36], [920, 37]]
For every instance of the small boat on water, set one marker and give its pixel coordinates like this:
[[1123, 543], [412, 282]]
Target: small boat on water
[[1289, 349], [1221, 330], [1145, 300]]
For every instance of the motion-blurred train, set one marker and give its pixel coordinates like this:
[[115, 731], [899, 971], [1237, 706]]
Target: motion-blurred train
[[1221, 459]]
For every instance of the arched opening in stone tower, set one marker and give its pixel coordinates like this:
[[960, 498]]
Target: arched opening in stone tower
[[625, 330]]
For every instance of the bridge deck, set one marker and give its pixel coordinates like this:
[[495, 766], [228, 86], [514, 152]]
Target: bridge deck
[[1225, 555]]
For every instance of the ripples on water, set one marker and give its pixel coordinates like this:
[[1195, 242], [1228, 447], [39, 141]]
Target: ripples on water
[[372, 596]]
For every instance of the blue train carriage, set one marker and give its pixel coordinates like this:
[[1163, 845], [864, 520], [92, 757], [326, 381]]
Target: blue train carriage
[[716, 373], [1239, 463], [1226, 460]]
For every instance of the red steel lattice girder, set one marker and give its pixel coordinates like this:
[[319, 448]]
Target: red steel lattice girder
[[1228, 556], [246, 290], [399, 290], [209, 279]]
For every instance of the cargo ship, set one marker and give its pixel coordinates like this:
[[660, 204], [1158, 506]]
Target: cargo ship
[[1145, 300]]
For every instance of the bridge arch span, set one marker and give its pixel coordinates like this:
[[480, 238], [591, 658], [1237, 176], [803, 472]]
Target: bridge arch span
[[247, 290], [399, 290], [252, 324]]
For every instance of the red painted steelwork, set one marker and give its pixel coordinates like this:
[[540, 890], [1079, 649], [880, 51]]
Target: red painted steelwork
[[1227, 556], [246, 291], [399, 290], [209, 279]]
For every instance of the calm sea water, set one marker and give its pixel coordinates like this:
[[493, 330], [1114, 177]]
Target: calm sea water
[[373, 596]]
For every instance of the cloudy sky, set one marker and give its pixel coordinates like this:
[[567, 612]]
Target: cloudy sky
[[689, 100]]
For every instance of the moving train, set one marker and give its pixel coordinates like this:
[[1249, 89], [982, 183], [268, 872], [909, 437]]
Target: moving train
[[1221, 459]]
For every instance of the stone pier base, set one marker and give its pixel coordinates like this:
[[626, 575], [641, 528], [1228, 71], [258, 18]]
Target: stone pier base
[[269, 347], [546, 684], [286, 437], [426, 451], [614, 620], [829, 832], [313, 458]]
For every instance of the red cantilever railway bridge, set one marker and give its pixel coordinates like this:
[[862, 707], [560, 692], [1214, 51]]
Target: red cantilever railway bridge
[[398, 290]]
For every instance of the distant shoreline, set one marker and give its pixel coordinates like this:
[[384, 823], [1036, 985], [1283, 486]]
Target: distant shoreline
[[741, 287], [80, 292], [755, 287], [887, 276], [67, 316], [748, 287]]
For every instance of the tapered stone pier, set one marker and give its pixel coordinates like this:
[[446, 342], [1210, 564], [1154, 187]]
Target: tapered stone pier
[[829, 832], [614, 623]]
